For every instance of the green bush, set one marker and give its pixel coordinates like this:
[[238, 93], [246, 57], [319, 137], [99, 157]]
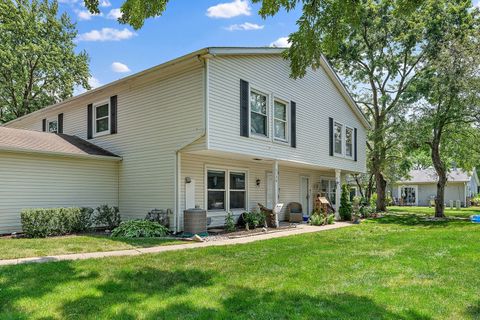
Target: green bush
[[373, 200], [345, 209], [140, 229], [317, 219], [39, 223], [331, 219], [108, 217], [253, 219], [229, 222]]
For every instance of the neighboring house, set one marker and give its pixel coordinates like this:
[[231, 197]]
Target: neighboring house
[[221, 128], [421, 187]]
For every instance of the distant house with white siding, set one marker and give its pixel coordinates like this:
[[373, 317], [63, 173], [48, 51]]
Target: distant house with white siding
[[420, 188], [221, 128]]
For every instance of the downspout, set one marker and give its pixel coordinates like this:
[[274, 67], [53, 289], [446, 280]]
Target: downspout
[[178, 159]]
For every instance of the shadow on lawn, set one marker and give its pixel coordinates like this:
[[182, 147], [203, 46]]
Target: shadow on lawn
[[417, 220], [123, 295]]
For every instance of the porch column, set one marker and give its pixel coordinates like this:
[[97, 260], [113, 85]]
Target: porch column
[[338, 193], [276, 190]]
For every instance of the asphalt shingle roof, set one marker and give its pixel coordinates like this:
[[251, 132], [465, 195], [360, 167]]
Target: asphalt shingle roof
[[429, 175]]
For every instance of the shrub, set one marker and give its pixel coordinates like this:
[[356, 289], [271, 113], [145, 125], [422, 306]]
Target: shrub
[[140, 229], [107, 217], [39, 223], [253, 219], [159, 216], [229, 222], [345, 209], [317, 219], [331, 219], [373, 200]]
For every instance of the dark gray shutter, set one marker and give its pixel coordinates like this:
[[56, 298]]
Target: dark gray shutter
[[330, 122], [355, 144], [244, 125], [60, 123], [293, 124], [44, 125], [113, 114], [90, 121]]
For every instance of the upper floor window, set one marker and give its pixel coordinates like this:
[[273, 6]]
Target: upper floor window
[[280, 122], [258, 113], [101, 122], [52, 126], [348, 142], [338, 132]]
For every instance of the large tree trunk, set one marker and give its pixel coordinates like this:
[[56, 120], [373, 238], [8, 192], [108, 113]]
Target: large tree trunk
[[442, 177], [381, 192]]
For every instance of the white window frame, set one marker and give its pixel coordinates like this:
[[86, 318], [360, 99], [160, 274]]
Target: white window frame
[[267, 129], [94, 118], [287, 120], [227, 189], [331, 180], [342, 138], [48, 126], [345, 142]]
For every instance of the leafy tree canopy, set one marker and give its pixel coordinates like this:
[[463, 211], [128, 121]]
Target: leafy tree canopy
[[38, 63]]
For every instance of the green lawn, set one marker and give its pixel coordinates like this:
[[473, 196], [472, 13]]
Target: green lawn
[[463, 212], [397, 267], [21, 248]]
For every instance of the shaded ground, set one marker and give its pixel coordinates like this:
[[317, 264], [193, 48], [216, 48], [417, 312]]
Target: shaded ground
[[462, 212], [397, 267]]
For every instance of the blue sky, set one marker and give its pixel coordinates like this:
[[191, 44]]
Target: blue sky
[[117, 50]]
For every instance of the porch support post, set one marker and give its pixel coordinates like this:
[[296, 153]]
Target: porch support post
[[338, 193], [276, 191]]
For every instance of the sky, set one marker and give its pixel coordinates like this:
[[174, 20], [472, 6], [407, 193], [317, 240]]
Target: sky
[[117, 50]]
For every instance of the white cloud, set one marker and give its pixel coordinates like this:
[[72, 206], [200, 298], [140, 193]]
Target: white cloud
[[86, 15], [281, 43], [114, 14], [106, 34], [105, 3], [120, 67], [230, 9], [245, 26], [92, 81]]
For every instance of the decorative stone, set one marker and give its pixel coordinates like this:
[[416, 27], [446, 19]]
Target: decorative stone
[[197, 238], [264, 229]]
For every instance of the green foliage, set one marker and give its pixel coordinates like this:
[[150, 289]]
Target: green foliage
[[38, 62], [107, 217], [373, 200], [229, 222], [39, 223], [140, 229], [317, 219], [253, 219], [345, 209]]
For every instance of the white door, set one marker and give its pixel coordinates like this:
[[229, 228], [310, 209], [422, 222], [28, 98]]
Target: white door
[[269, 186], [305, 194]]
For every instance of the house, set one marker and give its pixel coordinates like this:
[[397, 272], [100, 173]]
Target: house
[[421, 187], [219, 128]]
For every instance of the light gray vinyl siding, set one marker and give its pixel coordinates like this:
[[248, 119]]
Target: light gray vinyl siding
[[428, 191], [40, 181], [157, 115], [316, 99]]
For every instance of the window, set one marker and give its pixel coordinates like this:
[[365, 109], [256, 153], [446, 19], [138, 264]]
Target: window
[[348, 142], [280, 121], [329, 189], [53, 126], [221, 183], [258, 114], [338, 128], [408, 195], [216, 190], [101, 122]]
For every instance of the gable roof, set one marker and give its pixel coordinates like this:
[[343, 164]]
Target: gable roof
[[224, 51], [430, 176], [19, 140]]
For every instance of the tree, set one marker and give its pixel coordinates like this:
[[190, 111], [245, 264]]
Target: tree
[[345, 209], [447, 118], [38, 63]]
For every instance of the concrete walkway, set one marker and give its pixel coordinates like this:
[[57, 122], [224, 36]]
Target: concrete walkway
[[301, 229]]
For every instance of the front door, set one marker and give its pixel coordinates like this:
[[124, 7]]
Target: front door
[[305, 194]]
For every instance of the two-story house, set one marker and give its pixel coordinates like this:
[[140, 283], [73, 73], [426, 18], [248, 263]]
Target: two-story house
[[221, 128]]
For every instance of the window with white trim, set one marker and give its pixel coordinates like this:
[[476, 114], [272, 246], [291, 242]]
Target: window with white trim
[[258, 113], [101, 121], [280, 121], [329, 189], [52, 126], [226, 190], [349, 142], [338, 138]]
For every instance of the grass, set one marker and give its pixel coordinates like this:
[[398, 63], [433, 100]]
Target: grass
[[21, 248], [397, 267], [462, 212]]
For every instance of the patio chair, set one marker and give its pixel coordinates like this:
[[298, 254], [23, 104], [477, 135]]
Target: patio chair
[[294, 212]]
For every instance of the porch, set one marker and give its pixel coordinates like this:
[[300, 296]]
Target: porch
[[220, 182]]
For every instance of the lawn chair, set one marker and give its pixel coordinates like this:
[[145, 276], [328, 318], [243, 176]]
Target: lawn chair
[[294, 212]]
